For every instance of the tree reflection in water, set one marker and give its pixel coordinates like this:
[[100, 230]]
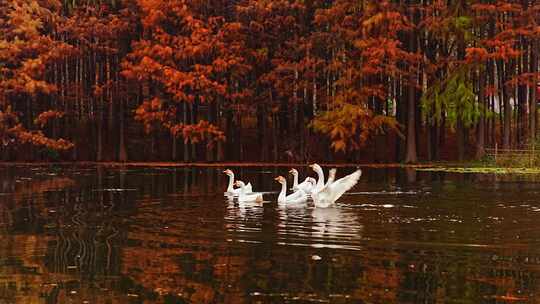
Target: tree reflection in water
[[76, 234]]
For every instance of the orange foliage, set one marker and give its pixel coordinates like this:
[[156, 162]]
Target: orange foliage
[[341, 64], [200, 132], [198, 61], [44, 117], [26, 52]]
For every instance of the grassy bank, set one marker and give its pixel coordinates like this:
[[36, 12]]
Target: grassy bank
[[473, 168]]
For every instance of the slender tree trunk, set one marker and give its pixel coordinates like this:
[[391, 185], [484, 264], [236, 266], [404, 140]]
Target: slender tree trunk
[[99, 114], [261, 131], [275, 150], [220, 153], [314, 95], [194, 119], [185, 120], [436, 138], [411, 156], [460, 138], [110, 119], [535, 49], [212, 119], [401, 116], [122, 153], [298, 117], [239, 136], [480, 140], [295, 97], [507, 108], [522, 101], [302, 130], [461, 132]]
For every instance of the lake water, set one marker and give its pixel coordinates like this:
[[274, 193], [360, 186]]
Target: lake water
[[167, 235]]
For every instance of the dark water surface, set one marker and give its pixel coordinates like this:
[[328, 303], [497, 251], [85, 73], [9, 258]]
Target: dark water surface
[[102, 235]]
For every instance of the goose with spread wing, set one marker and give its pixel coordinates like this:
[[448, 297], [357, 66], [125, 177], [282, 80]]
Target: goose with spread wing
[[244, 196], [230, 188], [298, 197], [331, 176], [307, 185], [333, 190]]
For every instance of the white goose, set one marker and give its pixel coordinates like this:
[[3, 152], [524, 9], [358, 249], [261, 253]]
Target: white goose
[[298, 197], [306, 186], [331, 176], [320, 178], [244, 196], [230, 189], [333, 190]]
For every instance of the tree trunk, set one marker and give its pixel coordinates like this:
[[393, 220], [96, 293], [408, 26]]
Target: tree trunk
[[507, 119], [261, 131], [122, 153], [401, 112], [411, 156], [185, 121], [535, 49], [480, 130], [212, 119], [522, 118], [110, 119], [436, 140], [98, 109], [275, 121], [194, 119]]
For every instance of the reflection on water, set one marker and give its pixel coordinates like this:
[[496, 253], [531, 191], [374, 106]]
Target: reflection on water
[[97, 235]]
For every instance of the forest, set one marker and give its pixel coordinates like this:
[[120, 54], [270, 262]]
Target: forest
[[258, 80]]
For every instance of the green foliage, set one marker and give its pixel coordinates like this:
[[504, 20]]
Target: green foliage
[[70, 5], [454, 96], [529, 158], [516, 159], [462, 27], [483, 170], [462, 22]]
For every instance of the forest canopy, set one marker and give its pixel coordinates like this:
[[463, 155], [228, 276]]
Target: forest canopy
[[385, 81]]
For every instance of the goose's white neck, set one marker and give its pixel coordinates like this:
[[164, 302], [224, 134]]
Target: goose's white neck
[[231, 182], [241, 186], [295, 180], [283, 194], [320, 179]]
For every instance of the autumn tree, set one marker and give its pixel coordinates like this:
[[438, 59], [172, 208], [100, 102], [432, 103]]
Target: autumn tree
[[367, 55], [28, 100], [178, 65]]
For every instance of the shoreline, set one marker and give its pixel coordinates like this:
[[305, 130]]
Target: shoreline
[[213, 164], [449, 167]]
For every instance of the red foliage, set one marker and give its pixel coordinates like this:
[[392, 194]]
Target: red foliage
[[44, 117]]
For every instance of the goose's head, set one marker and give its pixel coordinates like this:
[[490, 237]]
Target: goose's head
[[228, 172], [332, 173], [310, 180], [316, 168], [280, 179], [239, 184], [294, 172]]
